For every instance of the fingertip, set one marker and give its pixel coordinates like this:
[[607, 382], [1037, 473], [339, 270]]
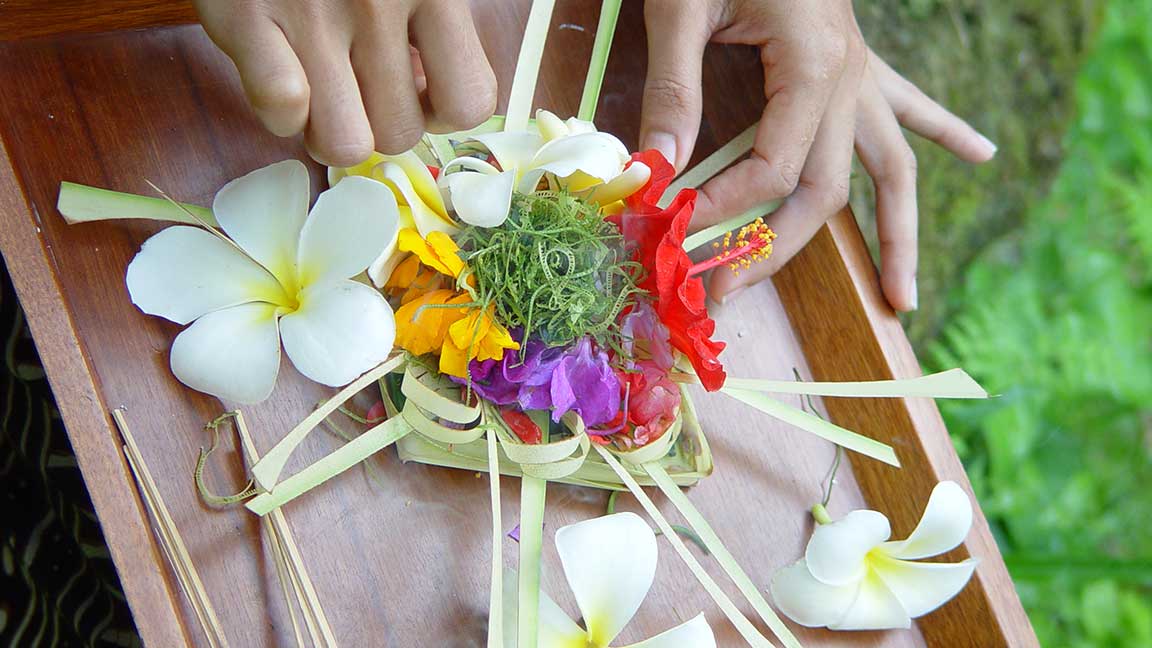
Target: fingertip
[[985, 149], [663, 142], [724, 285], [901, 292]]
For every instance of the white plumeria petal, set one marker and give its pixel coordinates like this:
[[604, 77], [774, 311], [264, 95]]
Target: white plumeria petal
[[381, 269], [264, 211], [923, 587], [421, 179], [511, 150], [529, 181], [946, 522], [480, 199], [692, 634], [424, 217], [599, 155], [340, 331], [577, 126], [550, 126], [555, 629], [622, 186], [470, 163], [350, 225], [233, 353], [836, 551], [809, 602], [610, 563], [875, 608], [184, 272]]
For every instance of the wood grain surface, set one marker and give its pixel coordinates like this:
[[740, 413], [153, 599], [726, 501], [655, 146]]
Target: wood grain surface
[[399, 552]]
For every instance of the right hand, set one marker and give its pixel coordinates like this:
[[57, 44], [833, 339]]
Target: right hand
[[344, 73]]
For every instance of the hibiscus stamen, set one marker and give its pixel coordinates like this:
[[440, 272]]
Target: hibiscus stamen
[[752, 243]]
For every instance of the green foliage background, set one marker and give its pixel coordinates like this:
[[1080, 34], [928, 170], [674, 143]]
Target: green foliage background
[[1037, 278]]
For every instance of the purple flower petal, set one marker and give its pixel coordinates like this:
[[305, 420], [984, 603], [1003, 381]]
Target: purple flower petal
[[585, 382]]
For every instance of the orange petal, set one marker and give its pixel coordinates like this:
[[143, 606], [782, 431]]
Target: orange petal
[[422, 330], [404, 275]]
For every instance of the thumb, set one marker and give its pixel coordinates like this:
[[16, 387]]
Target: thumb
[[670, 119]]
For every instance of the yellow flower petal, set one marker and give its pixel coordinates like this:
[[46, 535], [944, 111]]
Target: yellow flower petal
[[422, 182], [404, 275], [454, 361], [441, 254], [622, 186], [421, 330], [467, 333]]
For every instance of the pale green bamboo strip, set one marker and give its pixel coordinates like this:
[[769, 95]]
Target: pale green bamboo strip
[[723, 556], [723, 227], [745, 627], [170, 539], [816, 425], [953, 383], [528, 66], [79, 203], [496, 594], [336, 462], [601, 48], [314, 617], [711, 165], [267, 470]]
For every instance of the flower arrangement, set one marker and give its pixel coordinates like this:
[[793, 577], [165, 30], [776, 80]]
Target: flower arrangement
[[523, 299]]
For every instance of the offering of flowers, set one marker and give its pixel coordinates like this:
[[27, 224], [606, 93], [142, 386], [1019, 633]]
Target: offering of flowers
[[523, 299]]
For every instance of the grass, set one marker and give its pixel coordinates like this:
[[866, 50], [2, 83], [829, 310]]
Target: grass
[[1006, 67], [1037, 274]]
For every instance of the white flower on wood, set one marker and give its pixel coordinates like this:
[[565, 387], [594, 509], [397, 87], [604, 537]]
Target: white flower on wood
[[853, 578], [282, 274], [610, 563]]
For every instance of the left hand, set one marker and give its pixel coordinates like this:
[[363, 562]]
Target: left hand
[[826, 91]]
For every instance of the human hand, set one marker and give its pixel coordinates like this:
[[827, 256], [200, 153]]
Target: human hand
[[826, 91], [343, 71]]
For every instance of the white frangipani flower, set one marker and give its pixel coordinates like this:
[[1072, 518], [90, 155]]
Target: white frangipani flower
[[581, 159], [610, 563], [417, 194], [285, 274], [853, 578]]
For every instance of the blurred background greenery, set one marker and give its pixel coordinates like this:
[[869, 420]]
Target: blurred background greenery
[[1036, 276]]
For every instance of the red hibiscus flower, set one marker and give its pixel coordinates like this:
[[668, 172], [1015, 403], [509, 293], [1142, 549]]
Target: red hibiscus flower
[[658, 235]]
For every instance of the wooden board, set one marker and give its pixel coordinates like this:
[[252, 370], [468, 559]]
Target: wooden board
[[400, 559]]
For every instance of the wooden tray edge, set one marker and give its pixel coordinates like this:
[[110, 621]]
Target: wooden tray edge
[[834, 277], [143, 571]]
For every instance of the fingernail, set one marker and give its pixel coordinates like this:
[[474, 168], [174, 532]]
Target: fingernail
[[731, 294], [989, 145], [914, 298], [663, 142]]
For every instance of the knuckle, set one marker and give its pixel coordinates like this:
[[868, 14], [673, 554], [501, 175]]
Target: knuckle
[[399, 137], [900, 168], [280, 90], [671, 94], [779, 178], [907, 164], [471, 108], [831, 197]]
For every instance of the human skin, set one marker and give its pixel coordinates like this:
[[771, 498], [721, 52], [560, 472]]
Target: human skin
[[827, 93], [361, 75]]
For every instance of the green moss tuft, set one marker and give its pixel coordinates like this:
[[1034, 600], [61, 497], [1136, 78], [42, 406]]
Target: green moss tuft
[[555, 268]]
